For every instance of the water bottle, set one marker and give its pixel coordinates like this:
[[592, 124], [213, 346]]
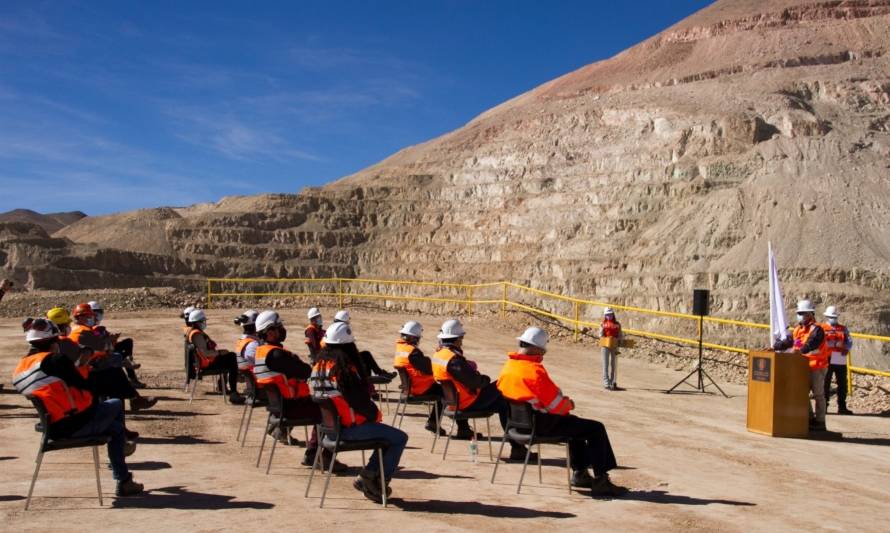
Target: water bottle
[[474, 450]]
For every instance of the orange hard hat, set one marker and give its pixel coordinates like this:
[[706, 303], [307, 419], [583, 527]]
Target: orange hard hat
[[83, 310]]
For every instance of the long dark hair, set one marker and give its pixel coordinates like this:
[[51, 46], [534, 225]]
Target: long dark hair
[[344, 357]]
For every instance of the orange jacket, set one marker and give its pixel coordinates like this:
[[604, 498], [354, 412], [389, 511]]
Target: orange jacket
[[524, 379], [89, 337], [289, 388], [818, 358], [244, 363], [440, 373], [59, 399], [420, 382]]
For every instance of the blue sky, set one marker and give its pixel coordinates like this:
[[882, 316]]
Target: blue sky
[[111, 106]]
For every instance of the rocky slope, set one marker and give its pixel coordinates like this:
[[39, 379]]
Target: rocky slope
[[51, 222], [638, 178]]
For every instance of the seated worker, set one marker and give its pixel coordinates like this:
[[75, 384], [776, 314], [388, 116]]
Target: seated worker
[[245, 348], [367, 364], [524, 379], [277, 367], [209, 357], [105, 374], [476, 392], [189, 371], [123, 347], [314, 333], [51, 377], [62, 320], [420, 368], [336, 378]]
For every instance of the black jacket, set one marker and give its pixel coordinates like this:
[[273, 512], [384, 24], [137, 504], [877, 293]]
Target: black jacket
[[460, 370], [812, 344], [288, 363], [60, 366], [352, 386]]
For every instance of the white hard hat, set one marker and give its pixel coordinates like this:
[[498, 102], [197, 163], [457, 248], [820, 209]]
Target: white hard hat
[[41, 329], [248, 317], [95, 306], [197, 316], [831, 312], [266, 319], [342, 316], [805, 306], [313, 312], [535, 336], [412, 328], [339, 333], [608, 311], [187, 311], [451, 329]]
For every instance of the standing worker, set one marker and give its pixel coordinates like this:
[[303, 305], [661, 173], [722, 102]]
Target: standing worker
[[314, 333], [610, 329], [524, 379], [838, 344], [808, 339]]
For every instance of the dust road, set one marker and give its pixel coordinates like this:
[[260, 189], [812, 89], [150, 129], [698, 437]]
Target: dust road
[[688, 459]]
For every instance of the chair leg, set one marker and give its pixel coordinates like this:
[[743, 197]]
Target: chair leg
[[435, 408], [500, 451], [540, 474], [306, 434], [98, 481], [380, 475], [271, 455], [568, 469], [448, 441], [312, 472], [34, 478], [404, 410], [194, 386], [327, 480], [488, 428], [528, 451], [246, 426], [363, 458], [396, 414], [241, 423], [263, 442]]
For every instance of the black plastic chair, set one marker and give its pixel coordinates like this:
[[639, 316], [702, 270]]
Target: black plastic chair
[[521, 428], [48, 444], [452, 401], [385, 381], [329, 439], [406, 399], [199, 374], [277, 420]]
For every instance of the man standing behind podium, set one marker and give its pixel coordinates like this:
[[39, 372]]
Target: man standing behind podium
[[808, 339]]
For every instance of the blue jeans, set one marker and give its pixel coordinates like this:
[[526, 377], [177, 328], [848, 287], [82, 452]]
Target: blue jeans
[[109, 420], [396, 438]]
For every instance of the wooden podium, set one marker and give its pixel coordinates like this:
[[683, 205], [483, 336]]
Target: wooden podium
[[778, 394]]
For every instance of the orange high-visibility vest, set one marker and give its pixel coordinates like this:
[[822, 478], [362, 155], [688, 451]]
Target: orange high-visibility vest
[[524, 379], [314, 336], [203, 359], [420, 382], [440, 373], [835, 340], [59, 399], [324, 385], [818, 358], [290, 388], [87, 336], [242, 344]]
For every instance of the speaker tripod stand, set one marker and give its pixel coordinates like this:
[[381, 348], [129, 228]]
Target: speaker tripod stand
[[699, 370]]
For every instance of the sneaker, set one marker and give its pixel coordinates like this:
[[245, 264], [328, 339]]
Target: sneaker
[[128, 488], [140, 403], [369, 484], [308, 458], [602, 487], [581, 478], [129, 448], [517, 455]]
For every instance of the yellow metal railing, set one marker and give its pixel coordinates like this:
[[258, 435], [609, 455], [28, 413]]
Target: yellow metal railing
[[465, 295]]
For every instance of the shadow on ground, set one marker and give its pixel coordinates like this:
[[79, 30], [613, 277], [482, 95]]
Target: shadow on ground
[[180, 439], [180, 498], [474, 508], [149, 465], [663, 497], [420, 474]]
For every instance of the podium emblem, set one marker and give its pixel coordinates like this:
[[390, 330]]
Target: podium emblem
[[760, 370]]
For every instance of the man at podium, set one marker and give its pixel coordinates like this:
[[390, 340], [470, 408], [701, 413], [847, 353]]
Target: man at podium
[[808, 339]]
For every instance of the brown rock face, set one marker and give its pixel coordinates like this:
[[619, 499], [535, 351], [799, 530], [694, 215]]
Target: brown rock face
[[636, 179]]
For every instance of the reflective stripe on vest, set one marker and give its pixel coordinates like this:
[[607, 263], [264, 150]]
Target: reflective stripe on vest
[[835, 343], [289, 388], [58, 399], [524, 379], [420, 382], [440, 360], [324, 386], [242, 344], [818, 358]]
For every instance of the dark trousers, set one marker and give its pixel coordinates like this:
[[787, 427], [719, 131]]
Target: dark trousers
[[371, 366], [435, 390], [840, 373], [125, 348], [490, 398], [304, 408], [111, 383], [226, 361], [589, 444], [109, 420]]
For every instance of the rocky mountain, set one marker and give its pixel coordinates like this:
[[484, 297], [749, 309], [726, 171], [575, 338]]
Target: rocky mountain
[[51, 222], [667, 167]]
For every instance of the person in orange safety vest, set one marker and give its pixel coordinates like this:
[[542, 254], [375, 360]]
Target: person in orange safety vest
[[210, 356], [419, 368], [524, 379], [610, 328], [838, 344]]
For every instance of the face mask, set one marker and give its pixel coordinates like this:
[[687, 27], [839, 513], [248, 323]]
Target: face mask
[[91, 322], [803, 319], [832, 321], [282, 331], [202, 325]]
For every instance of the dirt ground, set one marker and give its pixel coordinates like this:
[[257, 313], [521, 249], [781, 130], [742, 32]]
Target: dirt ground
[[688, 458]]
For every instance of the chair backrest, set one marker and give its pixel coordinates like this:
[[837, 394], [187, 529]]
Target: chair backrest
[[330, 418], [275, 404], [521, 416], [450, 395], [43, 416], [404, 380]]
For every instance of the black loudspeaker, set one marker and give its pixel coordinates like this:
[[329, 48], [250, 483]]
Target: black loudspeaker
[[701, 302]]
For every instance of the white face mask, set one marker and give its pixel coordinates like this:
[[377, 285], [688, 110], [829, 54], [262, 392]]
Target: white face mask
[[91, 322], [832, 321]]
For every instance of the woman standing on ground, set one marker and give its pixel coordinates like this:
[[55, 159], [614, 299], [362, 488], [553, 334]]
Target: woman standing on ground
[[610, 328]]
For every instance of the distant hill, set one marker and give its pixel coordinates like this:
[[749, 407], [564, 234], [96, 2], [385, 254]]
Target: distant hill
[[51, 222]]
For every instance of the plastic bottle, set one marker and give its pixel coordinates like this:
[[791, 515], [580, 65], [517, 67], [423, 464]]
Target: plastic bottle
[[474, 450]]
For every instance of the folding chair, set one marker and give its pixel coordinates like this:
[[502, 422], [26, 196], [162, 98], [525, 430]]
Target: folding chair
[[48, 444], [406, 399], [521, 429], [199, 374], [385, 381], [329, 439], [277, 420], [452, 401], [247, 413]]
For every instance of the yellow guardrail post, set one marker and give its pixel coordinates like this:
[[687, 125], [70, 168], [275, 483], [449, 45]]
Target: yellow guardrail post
[[849, 375], [340, 292], [469, 300], [504, 300], [577, 318], [208, 293]]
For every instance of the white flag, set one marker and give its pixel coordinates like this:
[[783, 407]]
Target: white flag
[[777, 325]]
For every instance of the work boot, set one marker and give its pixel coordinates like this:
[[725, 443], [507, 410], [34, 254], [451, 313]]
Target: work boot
[[581, 478], [517, 454], [842, 410], [136, 384], [129, 448], [815, 425], [465, 433], [602, 487], [131, 435], [432, 429], [141, 403], [369, 484], [128, 487], [236, 399]]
